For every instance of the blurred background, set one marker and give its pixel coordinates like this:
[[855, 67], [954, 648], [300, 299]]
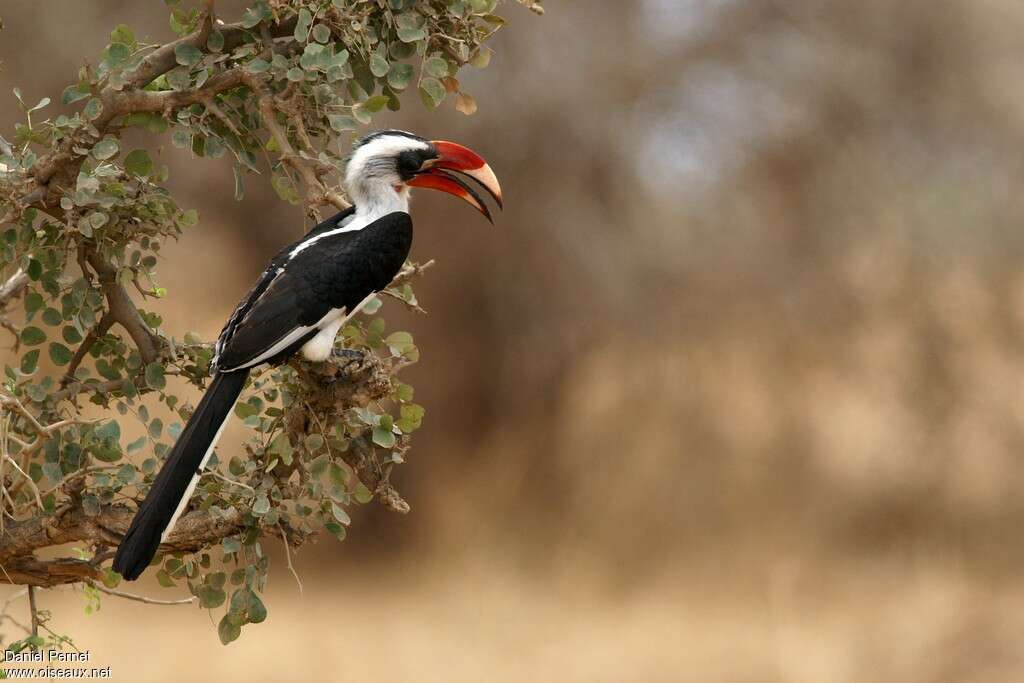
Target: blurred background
[[733, 392]]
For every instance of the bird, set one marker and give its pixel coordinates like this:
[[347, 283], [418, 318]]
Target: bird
[[302, 299]]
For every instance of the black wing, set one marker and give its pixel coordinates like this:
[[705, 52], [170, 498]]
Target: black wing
[[307, 280]]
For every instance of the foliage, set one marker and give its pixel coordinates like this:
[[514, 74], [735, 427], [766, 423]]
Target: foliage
[[83, 220]]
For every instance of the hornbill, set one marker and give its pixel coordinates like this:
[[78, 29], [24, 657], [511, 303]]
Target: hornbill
[[302, 299]]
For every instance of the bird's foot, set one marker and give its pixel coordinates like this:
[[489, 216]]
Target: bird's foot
[[349, 357]]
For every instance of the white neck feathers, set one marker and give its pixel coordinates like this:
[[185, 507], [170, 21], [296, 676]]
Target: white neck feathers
[[376, 199]]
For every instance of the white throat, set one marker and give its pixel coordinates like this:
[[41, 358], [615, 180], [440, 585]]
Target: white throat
[[373, 197]]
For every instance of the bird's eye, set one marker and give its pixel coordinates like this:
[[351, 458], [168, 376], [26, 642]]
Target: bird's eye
[[409, 162]]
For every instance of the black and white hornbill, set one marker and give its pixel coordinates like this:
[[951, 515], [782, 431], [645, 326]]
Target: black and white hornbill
[[301, 301]]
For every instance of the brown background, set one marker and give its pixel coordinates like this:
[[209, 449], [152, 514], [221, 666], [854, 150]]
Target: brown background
[[732, 393]]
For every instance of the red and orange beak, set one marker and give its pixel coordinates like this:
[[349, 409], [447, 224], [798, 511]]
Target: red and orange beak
[[453, 157]]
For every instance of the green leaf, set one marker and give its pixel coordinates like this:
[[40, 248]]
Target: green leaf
[[138, 163], [336, 529], [257, 66], [384, 438], [432, 91], [341, 123], [155, 376], [412, 417], [97, 219], [262, 505], [378, 65], [399, 343], [404, 392], [105, 148], [482, 58], [179, 78], [33, 302], [231, 545], [295, 74], [71, 334], [244, 410], [137, 445], [302, 25], [73, 94], [126, 474], [32, 336], [154, 123], [187, 55], [228, 630], [51, 316], [436, 66], [363, 494], [321, 33], [215, 42], [411, 35], [109, 431], [116, 55], [250, 18], [156, 428], [30, 361], [93, 108], [374, 104], [340, 514], [210, 597], [256, 609], [400, 75], [60, 354]]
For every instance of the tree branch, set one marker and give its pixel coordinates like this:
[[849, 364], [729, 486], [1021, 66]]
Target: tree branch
[[194, 531], [14, 285], [94, 334], [138, 598], [316, 192], [123, 310]]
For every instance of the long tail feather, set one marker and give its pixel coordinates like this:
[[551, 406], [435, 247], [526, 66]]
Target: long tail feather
[[177, 479]]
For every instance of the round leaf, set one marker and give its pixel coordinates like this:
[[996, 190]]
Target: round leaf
[[59, 354], [400, 75], [187, 55], [378, 65], [138, 163], [105, 148], [432, 92], [32, 336]]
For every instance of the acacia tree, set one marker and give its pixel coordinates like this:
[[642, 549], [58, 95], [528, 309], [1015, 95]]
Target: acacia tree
[[82, 223]]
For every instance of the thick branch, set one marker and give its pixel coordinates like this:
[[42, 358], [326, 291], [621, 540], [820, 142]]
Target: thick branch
[[122, 309], [14, 285], [194, 531]]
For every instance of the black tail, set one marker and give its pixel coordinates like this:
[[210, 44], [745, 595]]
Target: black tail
[[174, 484]]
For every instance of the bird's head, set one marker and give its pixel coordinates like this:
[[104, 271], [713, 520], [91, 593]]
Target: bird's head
[[384, 165]]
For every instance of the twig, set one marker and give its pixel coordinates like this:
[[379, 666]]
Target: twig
[[32, 484], [34, 612], [139, 598], [288, 557], [220, 476], [410, 271], [91, 338]]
